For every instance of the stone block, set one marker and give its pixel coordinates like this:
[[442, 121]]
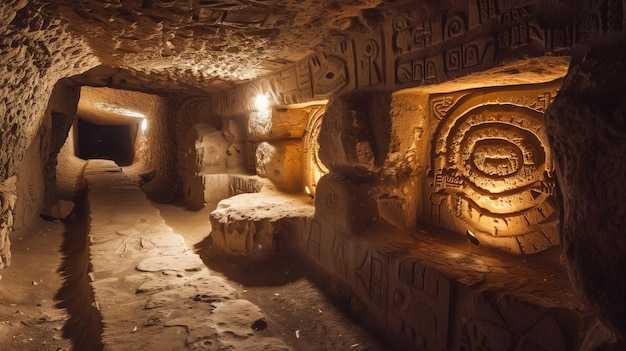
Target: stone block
[[251, 224], [281, 162], [274, 123], [355, 134]]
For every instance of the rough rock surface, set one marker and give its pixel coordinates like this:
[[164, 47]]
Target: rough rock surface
[[256, 224], [587, 129], [208, 45]]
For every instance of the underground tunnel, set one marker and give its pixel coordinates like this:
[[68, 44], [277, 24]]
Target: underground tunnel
[[304, 175]]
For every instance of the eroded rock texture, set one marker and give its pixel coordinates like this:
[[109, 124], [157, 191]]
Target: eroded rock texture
[[588, 135], [209, 45], [36, 50]]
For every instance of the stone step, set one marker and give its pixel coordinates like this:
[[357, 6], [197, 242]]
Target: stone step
[[152, 291]]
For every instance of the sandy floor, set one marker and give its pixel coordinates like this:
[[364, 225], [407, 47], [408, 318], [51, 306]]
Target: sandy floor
[[33, 293], [29, 290]]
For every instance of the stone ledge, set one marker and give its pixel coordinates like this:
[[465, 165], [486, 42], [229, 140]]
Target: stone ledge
[[428, 290]]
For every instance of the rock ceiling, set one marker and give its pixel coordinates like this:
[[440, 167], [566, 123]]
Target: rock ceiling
[[204, 46]]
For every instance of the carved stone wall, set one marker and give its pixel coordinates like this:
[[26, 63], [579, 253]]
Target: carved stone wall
[[423, 44], [491, 169], [286, 148]]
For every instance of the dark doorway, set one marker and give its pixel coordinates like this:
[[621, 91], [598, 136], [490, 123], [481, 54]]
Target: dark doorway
[[109, 142]]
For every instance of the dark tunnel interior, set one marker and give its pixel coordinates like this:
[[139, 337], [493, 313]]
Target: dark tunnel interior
[[109, 142]]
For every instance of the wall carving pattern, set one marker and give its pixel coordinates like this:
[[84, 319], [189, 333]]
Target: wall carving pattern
[[491, 167], [314, 168], [411, 50]]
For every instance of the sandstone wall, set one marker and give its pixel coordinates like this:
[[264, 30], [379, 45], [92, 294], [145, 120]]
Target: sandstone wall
[[36, 50]]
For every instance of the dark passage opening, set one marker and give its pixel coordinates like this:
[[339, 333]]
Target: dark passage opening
[[109, 142]]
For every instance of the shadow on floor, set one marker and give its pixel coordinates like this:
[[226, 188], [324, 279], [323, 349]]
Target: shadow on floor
[[84, 326]]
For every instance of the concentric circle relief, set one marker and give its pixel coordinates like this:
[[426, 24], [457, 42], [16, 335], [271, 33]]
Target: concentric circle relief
[[494, 162]]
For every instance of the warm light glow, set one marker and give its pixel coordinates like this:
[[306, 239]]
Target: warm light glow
[[114, 108], [261, 102], [144, 125]]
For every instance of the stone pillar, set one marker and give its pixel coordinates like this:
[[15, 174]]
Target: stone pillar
[[586, 125]]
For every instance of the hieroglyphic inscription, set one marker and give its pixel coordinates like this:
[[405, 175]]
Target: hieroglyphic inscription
[[419, 302], [372, 272], [331, 69], [408, 37], [413, 50], [370, 66], [339, 255]]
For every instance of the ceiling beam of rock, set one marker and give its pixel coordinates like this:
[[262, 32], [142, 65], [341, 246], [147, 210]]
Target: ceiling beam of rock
[[206, 45]]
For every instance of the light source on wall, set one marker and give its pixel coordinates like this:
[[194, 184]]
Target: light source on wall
[[261, 102], [144, 125], [471, 237], [260, 120]]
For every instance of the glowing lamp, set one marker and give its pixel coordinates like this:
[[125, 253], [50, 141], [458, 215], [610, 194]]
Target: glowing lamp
[[261, 102]]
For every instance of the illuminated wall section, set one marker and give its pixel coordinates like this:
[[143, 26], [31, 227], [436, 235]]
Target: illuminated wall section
[[314, 168], [491, 171]]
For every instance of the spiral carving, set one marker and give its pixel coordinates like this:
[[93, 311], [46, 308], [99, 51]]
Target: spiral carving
[[492, 170]]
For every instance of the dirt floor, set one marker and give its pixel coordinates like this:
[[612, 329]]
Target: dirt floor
[[302, 308], [30, 317], [34, 294]]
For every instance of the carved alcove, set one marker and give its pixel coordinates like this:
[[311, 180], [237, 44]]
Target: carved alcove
[[285, 148], [491, 171]]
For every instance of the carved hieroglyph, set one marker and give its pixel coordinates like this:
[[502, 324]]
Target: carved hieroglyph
[[420, 45], [491, 167]]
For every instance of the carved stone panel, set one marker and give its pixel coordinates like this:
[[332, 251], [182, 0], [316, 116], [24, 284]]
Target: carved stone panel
[[419, 303], [492, 168]]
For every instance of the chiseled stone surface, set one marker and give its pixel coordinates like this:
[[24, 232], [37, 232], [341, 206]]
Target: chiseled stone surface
[[153, 292], [429, 291]]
